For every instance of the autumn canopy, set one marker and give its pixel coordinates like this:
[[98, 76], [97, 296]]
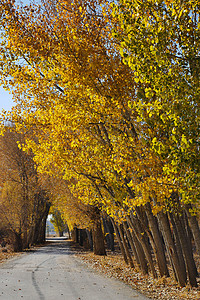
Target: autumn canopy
[[107, 100]]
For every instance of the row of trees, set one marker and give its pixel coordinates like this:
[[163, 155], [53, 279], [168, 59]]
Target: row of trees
[[24, 202], [107, 94]]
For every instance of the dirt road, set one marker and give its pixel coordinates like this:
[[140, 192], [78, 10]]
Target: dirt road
[[53, 272]]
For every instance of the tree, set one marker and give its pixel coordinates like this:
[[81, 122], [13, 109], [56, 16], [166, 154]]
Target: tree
[[58, 222], [101, 113], [23, 200], [159, 41]]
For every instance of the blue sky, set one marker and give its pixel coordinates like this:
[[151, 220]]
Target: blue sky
[[5, 99]]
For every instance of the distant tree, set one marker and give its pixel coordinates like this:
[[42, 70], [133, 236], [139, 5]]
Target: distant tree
[[58, 221]]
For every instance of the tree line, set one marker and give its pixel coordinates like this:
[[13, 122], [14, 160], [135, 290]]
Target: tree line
[[107, 99], [24, 199]]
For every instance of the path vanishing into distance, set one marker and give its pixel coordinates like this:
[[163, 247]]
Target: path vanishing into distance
[[54, 272]]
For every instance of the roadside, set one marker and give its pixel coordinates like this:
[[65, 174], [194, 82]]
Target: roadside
[[114, 266], [4, 256]]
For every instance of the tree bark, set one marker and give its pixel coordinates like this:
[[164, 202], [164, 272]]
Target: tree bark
[[157, 241], [130, 260], [129, 237], [40, 227], [172, 251], [75, 234], [108, 228], [18, 242], [140, 252], [185, 225], [189, 259], [98, 238], [119, 241], [178, 246], [194, 228], [140, 234], [89, 235]]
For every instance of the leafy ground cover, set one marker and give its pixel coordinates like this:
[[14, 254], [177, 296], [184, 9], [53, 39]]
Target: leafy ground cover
[[6, 255], [113, 265]]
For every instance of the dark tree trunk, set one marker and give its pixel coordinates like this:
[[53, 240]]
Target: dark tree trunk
[[109, 233], [75, 234], [40, 228], [60, 233], [81, 237], [194, 228], [98, 238], [157, 241], [189, 235], [89, 235], [178, 246], [18, 242], [189, 259], [120, 242], [31, 234], [172, 251], [140, 252], [142, 237], [68, 231], [41, 209], [42, 232], [130, 260], [129, 237]]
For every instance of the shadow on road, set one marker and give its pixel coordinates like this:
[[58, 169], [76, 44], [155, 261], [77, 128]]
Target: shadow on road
[[57, 246]]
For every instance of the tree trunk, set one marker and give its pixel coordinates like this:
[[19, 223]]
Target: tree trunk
[[98, 238], [81, 236], [178, 246], [120, 242], [37, 231], [75, 234], [172, 251], [189, 259], [89, 235], [130, 260], [140, 252], [157, 241], [129, 237], [140, 234], [185, 225], [60, 233], [18, 242], [109, 236], [194, 227], [40, 232]]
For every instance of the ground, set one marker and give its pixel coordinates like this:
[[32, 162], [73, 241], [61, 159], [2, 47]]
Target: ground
[[55, 272], [113, 265]]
